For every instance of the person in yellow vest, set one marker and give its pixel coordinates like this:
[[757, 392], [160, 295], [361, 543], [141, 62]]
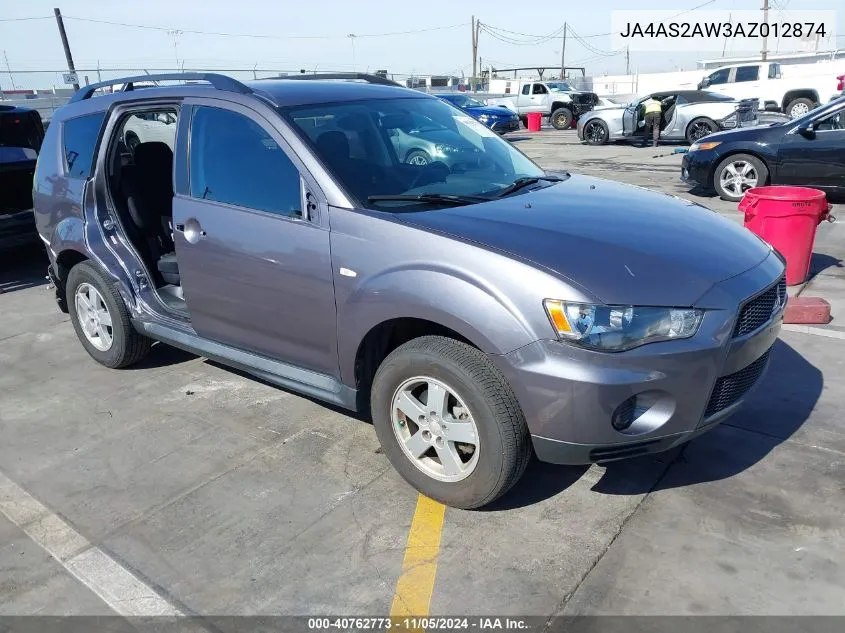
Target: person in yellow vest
[[653, 113]]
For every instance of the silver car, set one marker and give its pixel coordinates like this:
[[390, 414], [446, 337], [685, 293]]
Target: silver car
[[687, 115]]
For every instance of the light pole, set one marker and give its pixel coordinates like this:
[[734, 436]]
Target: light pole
[[351, 37]]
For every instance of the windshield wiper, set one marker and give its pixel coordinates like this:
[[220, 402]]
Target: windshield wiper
[[520, 183], [437, 198]]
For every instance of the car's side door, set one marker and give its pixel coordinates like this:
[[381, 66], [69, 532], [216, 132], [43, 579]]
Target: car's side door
[[717, 81], [747, 80], [814, 154], [252, 239]]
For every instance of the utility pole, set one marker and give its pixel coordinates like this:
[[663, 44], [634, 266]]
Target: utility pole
[[563, 53], [66, 46], [627, 60], [766, 23], [8, 68], [474, 52]]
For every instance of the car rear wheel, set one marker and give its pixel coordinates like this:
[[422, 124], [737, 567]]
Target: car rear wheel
[[562, 119], [699, 128], [737, 174], [418, 157], [101, 319], [449, 422], [596, 133], [799, 107]]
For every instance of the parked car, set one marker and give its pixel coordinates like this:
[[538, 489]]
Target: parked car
[[21, 133], [687, 115], [763, 81], [808, 151], [553, 99], [419, 140], [478, 313], [497, 118], [147, 127]]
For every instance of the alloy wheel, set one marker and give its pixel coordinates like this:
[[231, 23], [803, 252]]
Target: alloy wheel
[[595, 133], [435, 429], [699, 131], [799, 109], [737, 177], [94, 317]]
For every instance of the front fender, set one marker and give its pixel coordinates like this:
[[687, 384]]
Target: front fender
[[473, 307]]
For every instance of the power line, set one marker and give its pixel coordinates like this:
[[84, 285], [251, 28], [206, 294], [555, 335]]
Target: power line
[[47, 17], [259, 35]]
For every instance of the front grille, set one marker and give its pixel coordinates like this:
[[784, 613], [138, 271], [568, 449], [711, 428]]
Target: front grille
[[759, 310], [729, 389]]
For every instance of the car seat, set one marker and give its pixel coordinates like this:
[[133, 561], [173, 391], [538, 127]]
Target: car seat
[[147, 186]]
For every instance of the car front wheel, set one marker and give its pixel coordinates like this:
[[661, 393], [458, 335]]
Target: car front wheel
[[596, 133], [737, 174], [449, 422]]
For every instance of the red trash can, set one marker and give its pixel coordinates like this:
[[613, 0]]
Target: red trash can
[[534, 121], [787, 217]]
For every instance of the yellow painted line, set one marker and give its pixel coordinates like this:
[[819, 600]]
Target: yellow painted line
[[412, 596]]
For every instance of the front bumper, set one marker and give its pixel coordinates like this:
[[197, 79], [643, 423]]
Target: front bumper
[[697, 167], [502, 127], [17, 229], [570, 395]]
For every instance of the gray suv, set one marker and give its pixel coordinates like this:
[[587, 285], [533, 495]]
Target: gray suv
[[480, 312]]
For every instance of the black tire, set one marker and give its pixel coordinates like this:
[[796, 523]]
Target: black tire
[[562, 119], [800, 104], [128, 347], [758, 165], [416, 156], [596, 138], [699, 128], [504, 447]]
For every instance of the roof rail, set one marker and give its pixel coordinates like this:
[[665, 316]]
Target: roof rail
[[371, 79], [221, 82]]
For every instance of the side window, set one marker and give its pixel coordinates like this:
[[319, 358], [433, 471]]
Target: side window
[[540, 89], [719, 77], [774, 71], [526, 89], [79, 137], [747, 73], [236, 161], [835, 121]]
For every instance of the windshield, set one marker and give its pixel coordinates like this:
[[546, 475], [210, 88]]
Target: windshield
[[464, 102], [558, 86], [408, 147]]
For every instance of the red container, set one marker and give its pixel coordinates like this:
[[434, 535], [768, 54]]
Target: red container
[[787, 217], [534, 120]]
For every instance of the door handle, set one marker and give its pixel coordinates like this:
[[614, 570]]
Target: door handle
[[192, 230]]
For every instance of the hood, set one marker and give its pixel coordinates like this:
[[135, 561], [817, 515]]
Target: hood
[[499, 110], [623, 244]]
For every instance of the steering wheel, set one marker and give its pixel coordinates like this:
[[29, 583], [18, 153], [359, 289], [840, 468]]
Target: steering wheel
[[436, 171]]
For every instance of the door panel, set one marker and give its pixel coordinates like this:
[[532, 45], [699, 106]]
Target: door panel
[[256, 275], [629, 120], [815, 160]]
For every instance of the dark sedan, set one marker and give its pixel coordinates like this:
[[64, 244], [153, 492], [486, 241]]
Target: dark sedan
[[21, 133], [807, 151], [497, 118]]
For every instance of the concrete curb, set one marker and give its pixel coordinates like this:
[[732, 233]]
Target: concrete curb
[[816, 331]]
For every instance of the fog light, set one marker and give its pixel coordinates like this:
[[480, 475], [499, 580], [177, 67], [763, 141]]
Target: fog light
[[624, 415]]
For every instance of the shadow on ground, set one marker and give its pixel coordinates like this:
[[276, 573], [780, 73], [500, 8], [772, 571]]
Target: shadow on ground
[[821, 262], [22, 268], [774, 411]]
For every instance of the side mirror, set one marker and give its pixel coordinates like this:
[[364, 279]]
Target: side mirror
[[703, 83], [807, 131]]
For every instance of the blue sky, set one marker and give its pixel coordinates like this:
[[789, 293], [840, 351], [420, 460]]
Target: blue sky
[[314, 34]]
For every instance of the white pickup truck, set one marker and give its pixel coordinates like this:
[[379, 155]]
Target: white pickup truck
[[793, 95], [553, 99]]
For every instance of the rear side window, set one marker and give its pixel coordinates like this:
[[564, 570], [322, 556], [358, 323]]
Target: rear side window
[[747, 73], [80, 136], [720, 77], [236, 161]]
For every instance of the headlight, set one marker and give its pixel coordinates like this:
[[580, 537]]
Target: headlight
[[618, 328], [704, 145], [445, 150], [485, 118]]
